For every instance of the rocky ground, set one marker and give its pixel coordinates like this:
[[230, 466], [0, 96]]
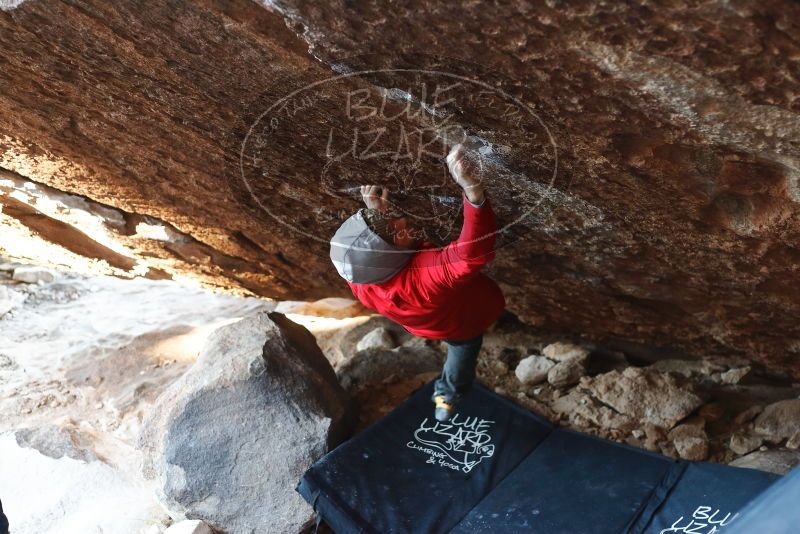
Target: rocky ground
[[87, 362]]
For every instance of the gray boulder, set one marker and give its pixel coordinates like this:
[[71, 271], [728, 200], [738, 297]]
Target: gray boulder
[[230, 439]]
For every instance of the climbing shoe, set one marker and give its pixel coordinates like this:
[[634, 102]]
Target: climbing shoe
[[443, 409]]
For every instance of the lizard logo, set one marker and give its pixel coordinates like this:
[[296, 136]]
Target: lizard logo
[[459, 444]]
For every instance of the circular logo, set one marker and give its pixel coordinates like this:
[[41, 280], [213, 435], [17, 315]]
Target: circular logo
[[318, 140]]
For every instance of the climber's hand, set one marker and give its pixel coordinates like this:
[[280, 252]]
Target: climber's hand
[[374, 198], [464, 170]]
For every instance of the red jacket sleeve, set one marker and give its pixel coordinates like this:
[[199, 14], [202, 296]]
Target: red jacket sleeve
[[463, 258]]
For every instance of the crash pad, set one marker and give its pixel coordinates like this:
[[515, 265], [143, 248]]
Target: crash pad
[[495, 467]]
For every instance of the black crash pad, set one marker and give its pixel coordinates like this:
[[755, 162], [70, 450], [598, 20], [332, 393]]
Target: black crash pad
[[498, 468]]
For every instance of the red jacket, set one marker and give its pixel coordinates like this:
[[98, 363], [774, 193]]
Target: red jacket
[[441, 293]]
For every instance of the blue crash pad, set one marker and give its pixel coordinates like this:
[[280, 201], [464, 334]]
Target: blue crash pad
[[498, 468]]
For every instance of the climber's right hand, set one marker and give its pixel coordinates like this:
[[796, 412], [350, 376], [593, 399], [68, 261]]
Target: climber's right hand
[[375, 197], [463, 168]]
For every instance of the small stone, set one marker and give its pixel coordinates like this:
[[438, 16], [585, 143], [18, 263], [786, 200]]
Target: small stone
[[533, 369], [500, 391], [638, 433], [690, 440], [567, 372], [378, 338], [33, 275], [190, 526], [734, 376], [744, 443], [564, 351]]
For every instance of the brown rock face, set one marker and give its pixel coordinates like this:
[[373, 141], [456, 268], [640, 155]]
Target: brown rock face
[[642, 162]]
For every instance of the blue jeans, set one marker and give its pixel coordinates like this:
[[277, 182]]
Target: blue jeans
[[458, 373]]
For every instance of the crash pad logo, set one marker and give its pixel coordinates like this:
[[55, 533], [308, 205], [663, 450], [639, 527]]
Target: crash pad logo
[[704, 520], [459, 444]]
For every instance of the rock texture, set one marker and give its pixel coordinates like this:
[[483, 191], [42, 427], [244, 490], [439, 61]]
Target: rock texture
[[776, 461], [230, 439], [533, 369], [671, 218], [644, 394]]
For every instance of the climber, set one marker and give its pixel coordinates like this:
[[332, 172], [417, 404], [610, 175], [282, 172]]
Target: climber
[[434, 293]]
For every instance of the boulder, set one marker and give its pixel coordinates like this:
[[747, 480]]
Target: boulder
[[560, 351], [646, 395], [33, 275], [9, 299], [779, 421], [379, 338], [533, 369], [229, 440], [567, 372], [778, 461]]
